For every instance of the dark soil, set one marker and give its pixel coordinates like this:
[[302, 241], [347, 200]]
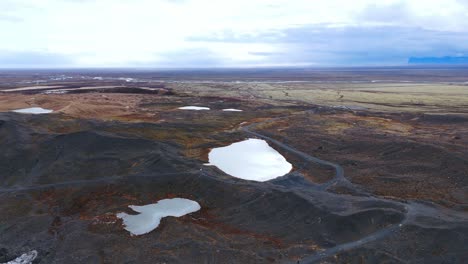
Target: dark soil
[[403, 198]]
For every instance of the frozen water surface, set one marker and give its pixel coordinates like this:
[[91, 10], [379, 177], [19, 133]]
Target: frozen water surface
[[251, 159], [150, 215], [197, 108], [26, 258], [33, 110], [232, 110]]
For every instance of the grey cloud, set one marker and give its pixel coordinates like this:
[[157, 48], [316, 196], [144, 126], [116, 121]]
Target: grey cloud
[[184, 58], [463, 2], [397, 13], [10, 18], [13, 59], [323, 44], [11, 10], [193, 58], [8, 11], [263, 53]]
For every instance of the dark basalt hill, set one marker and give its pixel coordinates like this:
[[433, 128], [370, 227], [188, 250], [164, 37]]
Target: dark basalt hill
[[36, 157], [60, 193]]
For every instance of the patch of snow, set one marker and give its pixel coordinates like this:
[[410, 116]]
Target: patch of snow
[[60, 78], [151, 214], [232, 110], [33, 110], [55, 92], [251, 159], [26, 258], [196, 108]]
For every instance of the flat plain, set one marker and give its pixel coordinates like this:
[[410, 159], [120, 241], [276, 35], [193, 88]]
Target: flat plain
[[379, 156]]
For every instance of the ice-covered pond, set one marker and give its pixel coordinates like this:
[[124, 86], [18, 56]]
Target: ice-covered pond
[[232, 110], [251, 159], [33, 110], [150, 215], [196, 108]]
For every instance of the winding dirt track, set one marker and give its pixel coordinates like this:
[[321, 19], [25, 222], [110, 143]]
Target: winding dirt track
[[339, 172], [413, 209]]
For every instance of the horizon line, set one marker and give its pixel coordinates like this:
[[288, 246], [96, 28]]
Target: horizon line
[[435, 65]]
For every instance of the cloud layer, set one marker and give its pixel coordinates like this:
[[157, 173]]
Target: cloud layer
[[242, 33]]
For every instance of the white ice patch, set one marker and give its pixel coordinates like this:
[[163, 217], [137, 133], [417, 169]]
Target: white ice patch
[[232, 110], [26, 258], [151, 214], [55, 92], [33, 110], [251, 159], [196, 108], [126, 79]]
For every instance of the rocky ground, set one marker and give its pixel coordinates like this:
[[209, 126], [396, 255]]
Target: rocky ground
[[63, 176]]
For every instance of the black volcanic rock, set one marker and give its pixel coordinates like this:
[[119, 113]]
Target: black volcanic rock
[[60, 193], [32, 157]]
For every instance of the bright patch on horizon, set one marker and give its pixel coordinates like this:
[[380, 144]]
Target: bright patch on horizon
[[150, 215], [232, 110], [251, 159], [33, 110], [26, 258], [196, 108]]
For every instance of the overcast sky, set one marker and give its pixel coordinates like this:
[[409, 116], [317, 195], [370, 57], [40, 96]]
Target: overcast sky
[[231, 33]]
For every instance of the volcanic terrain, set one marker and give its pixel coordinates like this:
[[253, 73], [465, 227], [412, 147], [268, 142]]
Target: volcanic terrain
[[379, 170]]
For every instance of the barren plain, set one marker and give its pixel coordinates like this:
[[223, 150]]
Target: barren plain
[[380, 165]]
